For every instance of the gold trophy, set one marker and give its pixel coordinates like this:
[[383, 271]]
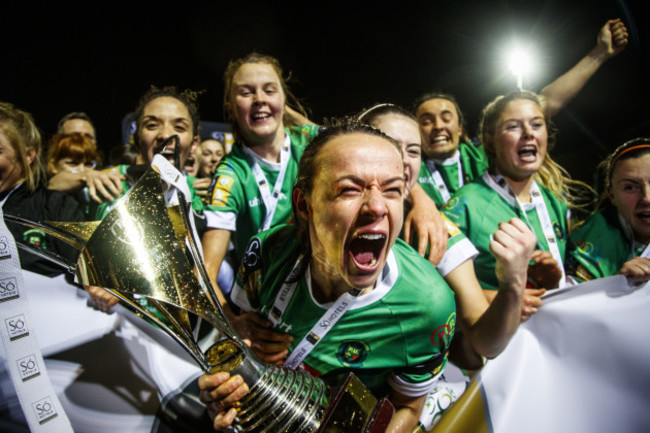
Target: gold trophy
[[146, 249]]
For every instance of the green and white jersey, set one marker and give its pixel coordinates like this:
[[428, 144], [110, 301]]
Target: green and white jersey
[[478, 209], [600, 246], [459, 248], [441, 179], [237, 203], [97, 211], [398, 334]]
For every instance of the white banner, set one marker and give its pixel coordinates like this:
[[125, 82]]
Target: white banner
[[579, 365], [111, 372]]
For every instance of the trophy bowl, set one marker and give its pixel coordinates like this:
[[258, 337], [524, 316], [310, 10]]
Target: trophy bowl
[[145, 253]]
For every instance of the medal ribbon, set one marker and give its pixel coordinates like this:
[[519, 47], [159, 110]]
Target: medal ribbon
[[269, 198], [321, 327], [540, 208]]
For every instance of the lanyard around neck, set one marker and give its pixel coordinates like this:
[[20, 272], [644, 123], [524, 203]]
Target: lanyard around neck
[[321, 327], [501, 186], [436, 177], [270, 198]]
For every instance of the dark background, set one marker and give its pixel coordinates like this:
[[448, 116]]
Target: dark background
[[342, 56]]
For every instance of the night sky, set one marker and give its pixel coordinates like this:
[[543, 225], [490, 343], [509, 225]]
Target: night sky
[[342, 56]]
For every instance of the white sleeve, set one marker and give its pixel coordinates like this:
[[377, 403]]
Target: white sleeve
[[460, 252], [220, 220]]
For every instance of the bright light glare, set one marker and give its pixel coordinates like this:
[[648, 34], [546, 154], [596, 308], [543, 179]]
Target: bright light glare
[[519, 62]]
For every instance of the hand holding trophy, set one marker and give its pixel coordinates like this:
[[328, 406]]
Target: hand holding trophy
[[145, 247]]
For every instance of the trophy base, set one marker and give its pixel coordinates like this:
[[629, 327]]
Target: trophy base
[[354, 409]]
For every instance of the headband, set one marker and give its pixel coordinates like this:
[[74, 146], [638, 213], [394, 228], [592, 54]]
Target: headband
[[373, 108], [615, 158]]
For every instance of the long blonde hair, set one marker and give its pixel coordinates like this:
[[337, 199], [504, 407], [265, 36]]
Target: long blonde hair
[[577, 194], [228, 94], [23, 134]]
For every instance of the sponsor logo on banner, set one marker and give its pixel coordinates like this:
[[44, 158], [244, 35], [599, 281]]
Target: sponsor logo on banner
[[4, 248], [44, 410], [16, 327], [8, 289], [28, 367]]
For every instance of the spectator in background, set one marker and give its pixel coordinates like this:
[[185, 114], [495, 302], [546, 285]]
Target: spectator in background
[[23, 193], [73, 153], [77, 121], [210, 152]]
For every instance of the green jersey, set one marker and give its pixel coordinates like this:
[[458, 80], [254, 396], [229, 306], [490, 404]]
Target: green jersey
[[398, 334], [478, 209], [600, 246], [97, 211], [459, 248], [238, 203], [469, 163]]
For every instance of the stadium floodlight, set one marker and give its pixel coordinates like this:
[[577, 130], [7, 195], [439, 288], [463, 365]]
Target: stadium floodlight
[[520, 64]]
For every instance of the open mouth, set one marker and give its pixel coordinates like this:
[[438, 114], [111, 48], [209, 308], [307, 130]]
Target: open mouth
[[260, 116], [644, 216], [440, 139], [527, 153], [366, 250]]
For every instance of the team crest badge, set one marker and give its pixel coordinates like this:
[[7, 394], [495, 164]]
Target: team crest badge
[[36, 238], [352, 353]]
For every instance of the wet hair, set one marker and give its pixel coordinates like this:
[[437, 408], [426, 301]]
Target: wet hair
[[557, 179], [75, 146], [186, 97], [229, 89], [310, 163], [23, 134], [71, 116], [448, 97]]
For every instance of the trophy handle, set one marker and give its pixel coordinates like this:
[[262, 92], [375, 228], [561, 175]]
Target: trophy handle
[[75, 240]]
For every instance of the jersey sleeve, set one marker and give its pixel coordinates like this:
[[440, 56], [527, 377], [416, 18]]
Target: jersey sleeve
[[459, 249], [429, 327], [226, 200]]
